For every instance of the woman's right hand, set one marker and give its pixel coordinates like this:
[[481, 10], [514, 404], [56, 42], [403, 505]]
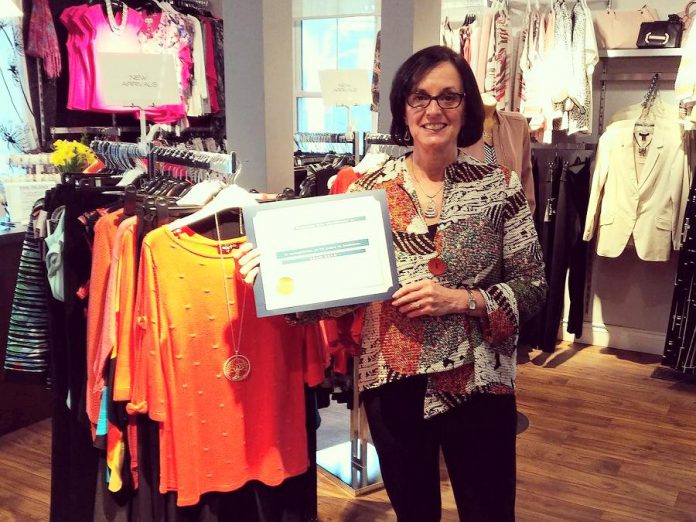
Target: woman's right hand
[[248, 260]]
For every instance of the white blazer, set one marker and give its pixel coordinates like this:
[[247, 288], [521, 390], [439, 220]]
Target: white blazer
[[650, 209]]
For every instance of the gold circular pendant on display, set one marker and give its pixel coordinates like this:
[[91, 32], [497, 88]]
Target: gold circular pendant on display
[[285, 286], [236, 368]]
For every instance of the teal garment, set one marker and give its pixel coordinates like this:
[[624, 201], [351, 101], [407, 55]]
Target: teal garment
[[103, 421]]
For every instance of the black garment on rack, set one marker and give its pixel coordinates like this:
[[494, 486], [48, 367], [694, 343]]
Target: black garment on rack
[[74, 459], [545, 213], [680, 343], [569, 252], [563, 195]]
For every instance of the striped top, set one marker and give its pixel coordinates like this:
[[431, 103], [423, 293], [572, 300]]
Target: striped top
[[27, 337], [489, 154]]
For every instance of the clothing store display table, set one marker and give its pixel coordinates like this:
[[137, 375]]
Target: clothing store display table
[[21, 403]]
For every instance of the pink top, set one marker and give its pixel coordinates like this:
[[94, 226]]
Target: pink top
[[102, 39], [89, 34], [79, 74]]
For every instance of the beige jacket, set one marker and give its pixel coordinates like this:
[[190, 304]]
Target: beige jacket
[[512, 150], [649, 209]]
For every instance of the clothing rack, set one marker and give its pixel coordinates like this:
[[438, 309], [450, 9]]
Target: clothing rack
[[679, 355], [565, 146], [124, 155], [352, 465], [382, 142], [330, 138], [96, 131], [196, 4], [214, 161]]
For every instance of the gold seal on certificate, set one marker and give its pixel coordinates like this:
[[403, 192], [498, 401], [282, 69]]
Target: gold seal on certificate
[[285, 286]]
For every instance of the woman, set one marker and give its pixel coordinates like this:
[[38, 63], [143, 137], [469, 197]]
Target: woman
[[437, 368]]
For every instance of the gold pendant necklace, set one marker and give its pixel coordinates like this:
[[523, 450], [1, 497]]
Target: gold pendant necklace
[[237, 367]]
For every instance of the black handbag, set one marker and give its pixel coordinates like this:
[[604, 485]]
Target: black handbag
[[660, 34]]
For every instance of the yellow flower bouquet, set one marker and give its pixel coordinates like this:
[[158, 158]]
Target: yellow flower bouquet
[[71, 156]]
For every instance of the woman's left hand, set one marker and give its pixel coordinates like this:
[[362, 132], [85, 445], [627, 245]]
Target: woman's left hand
[[429, 298]]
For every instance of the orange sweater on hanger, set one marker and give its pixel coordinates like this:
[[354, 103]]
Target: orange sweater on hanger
[[104, 233], [216, 434]]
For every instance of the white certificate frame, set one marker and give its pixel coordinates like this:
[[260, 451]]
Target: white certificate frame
[[322, 252]]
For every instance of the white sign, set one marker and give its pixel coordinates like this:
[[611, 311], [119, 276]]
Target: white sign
[[345, 87], [140, 80], [21, 196]]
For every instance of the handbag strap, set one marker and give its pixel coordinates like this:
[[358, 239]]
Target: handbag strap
[[685, 15]]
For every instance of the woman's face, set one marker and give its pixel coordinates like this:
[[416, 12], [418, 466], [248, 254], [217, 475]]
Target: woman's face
[[433, 127]]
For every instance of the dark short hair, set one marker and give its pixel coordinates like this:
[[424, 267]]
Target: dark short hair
[[412, 71]]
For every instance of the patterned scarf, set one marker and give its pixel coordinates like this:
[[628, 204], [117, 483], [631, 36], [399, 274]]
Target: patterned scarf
[[42, 41]]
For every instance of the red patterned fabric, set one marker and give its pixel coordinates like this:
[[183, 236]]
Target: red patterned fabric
[[42, 41]]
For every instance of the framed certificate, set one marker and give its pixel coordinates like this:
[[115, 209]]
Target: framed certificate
[[322, 252]]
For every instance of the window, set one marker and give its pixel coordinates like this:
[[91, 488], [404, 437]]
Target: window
[[326, 41]]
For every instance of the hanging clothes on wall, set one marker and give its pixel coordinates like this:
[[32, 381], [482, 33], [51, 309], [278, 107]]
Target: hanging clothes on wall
[[42, 41], [645, 203], [497, 79], [562, 187], [575, 56], [569, 254], [192, 38], [680, 343], [27, 352]]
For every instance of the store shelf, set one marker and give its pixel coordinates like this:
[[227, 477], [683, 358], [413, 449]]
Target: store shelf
[[640, 53]]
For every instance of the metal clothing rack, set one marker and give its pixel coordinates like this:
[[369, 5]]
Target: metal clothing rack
[[329, 138], [351, 465], [214, 161], [95, 131], [565, 145], [123, 155], [382, 142]]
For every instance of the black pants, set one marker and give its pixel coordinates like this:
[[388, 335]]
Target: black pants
[[569, 253], [477, 440]]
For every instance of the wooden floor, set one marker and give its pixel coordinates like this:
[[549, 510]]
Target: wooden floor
[[606, 441]]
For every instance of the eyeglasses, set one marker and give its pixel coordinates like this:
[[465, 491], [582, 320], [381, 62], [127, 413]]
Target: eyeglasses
[[446, 100]]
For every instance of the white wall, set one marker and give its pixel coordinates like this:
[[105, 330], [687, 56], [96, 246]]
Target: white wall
[[407, 26], [258, 90]]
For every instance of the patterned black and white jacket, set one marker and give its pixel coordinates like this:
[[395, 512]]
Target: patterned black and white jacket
[[486, 239]]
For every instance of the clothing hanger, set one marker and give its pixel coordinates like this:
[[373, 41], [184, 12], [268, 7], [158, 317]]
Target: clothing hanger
[[232, 197], [150, 6], [647, 118]]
